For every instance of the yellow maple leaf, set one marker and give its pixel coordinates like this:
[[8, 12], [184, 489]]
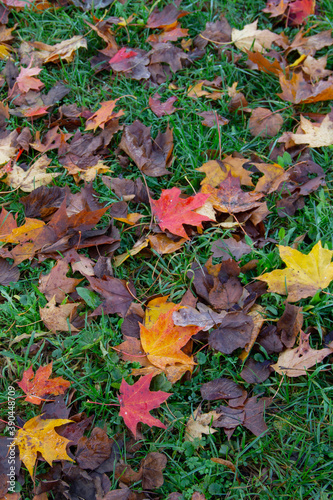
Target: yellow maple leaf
[[38, 435], [304, 274]]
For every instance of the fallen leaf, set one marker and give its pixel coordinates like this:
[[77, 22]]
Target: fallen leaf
[[39, 435], [257, 313], [30, 229], [151, 157], [34, 177], [103, 115], [298, 91], [217, 171], [199, 424], [304, 274], [290, 324], [138, 246], [230, 198], [171, 211], [165, 17], [118, 295], [275, 67], [56, 284], [234, 331], [60, 51], [37, 386], [163, 341], [296, 362], [164, 245], [26, 81], [276, 7], [314, 134], [220, 388], [170, 34], [136, 402], [229, 246], [93, 451], [162, 108], [310, 45], [256, 372], [205, 317], [212, 119], [57, 318], [250, 38], [264, 123], [8, 273], [300, 10], [152, 467]]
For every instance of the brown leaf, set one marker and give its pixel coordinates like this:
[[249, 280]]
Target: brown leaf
[[230, 198], [254, 414], [116, 293], [165, 17], [151, 157], [297, 90], [164, 245], [255, 372], [152, 467], [8, 273], [56, 284], [205, 317], [220, 388], [224, 247], [162, 108], [219, 31], [290, 324], [310, 45], [93, 451], [234, 332], [264, 123], [212, 119]]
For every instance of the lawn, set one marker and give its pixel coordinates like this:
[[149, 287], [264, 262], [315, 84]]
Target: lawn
[[293, 458]]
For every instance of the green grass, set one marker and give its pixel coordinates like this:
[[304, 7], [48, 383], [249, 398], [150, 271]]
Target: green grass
[[294, 459]]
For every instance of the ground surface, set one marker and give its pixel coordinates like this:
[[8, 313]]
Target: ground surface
[[294, 459]]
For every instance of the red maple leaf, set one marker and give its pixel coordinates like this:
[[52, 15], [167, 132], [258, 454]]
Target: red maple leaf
[[38, 386], [123, 53], [137, 400], [172, 212], [301, 10]]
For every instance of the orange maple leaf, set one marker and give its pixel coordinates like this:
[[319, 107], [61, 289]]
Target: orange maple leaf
[[38, 385], [103, 115], [163, 341]]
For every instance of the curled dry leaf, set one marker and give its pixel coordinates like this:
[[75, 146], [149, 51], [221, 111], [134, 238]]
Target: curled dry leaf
[[34, 177], [57, 318], [316, 135], [56, 284], [199, 424], [250, 38], [204, 317], [304, 274], [296, 362]]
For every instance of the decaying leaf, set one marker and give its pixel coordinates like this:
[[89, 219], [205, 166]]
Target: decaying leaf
[[57, 318], [250, 38], [304, 274], [34, 177], [264, 123], [296, 362], [316, 135], [199, 424]]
